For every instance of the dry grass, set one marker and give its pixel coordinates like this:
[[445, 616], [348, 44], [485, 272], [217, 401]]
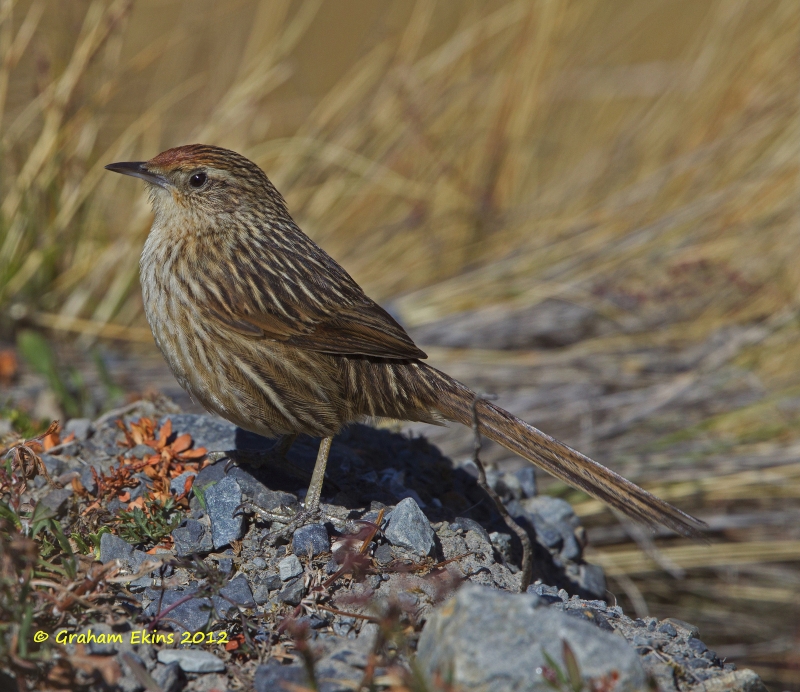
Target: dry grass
[[637, 157]]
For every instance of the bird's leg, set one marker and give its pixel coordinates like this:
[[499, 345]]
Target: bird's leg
[[310, 511], [318, 477]]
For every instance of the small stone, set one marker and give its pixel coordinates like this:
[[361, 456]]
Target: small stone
[[292, 593], [290, 567], [177, 484], [697, 646], [310, 539], [192, 614], [259, 562], [192, 660], [56, 500], [467, 525], [222, 500], [87, 479], [273, 676], [237, 591], [383, 554], [141, 452], [409, 528], [668, 629], [114, 548], [192, 537], [170, 678], [527, 480], [80, 427]]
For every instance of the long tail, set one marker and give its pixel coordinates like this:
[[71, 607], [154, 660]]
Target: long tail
[[455, 402]]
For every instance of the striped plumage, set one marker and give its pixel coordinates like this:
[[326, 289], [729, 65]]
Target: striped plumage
[[262, 327]]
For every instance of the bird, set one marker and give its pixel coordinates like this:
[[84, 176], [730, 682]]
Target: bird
[[263, 328]]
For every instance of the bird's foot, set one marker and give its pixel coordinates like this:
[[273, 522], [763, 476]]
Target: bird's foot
[[286, 520]]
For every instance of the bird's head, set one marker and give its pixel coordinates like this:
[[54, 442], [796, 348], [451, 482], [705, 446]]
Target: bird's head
[[198, 186]]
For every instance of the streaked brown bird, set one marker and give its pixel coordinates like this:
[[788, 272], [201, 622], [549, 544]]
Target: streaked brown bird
[[263, 328]]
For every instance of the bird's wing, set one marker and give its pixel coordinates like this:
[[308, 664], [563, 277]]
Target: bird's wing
[[318, 308]]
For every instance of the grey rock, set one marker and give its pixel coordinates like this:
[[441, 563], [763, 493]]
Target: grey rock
[[222, 499], [56, 500], [192, 537], [272, 676], [80, 427], [466, 525], [192, 660], [292, 593], [215, 434], [141, 452], [87, 479], [95, 632], [312, 538], [383, 554], [259, 562], [735, 681], [592, 579], [192, 615], [54, 465], [236, 592], [114, 548], [289, 567], [493, 640], [527, 480], [409, 528], [177, 484], [170, 678], [668, 629]]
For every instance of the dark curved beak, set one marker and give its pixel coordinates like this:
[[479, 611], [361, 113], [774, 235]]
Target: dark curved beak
[[138, 169]]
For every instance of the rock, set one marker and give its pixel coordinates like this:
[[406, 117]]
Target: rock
[[192, 614], [192, 537], [409, 528], [311, 539], [87, 479], [735, 681], [222, 500], [483, 639], [263, 584], [170, 678], [383, 554], [293, 592], [80, 427], [192, 660], [273, 676], [236, 592], [114, 548], [466, 525], [177, 484], [141, 452], [668, 629], [56, 500], [289, 567], [215, 434], [592, 580]]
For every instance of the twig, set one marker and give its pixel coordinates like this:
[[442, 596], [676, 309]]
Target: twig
[[527, 548]]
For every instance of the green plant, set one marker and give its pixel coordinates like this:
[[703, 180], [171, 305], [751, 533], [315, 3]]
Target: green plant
[[149, 526]]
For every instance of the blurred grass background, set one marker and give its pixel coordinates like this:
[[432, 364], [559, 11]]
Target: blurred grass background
[[639, 157]]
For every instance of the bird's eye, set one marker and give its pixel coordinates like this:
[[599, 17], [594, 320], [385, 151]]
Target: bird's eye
[[198, 180]]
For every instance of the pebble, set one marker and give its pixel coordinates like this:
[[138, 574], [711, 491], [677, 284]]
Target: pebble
[[192, 537], [177, 484], [668, 629], [289, 567], [170, 678], [222, 499], [293, 592], [311, 539], [409, 528], [192, 660], [80, 427]]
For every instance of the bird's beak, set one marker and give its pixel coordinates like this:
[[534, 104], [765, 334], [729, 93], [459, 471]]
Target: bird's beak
[[138, 169]]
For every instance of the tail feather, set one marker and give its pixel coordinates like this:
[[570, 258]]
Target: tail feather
[[455, 402]]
